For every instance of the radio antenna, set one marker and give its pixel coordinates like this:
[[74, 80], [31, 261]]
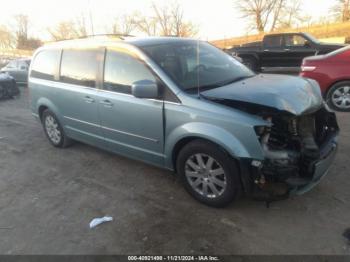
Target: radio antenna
[[198, 87]]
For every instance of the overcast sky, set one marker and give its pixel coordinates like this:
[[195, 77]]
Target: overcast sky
[[216, 19]]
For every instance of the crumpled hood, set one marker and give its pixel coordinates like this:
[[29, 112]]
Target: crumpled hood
[[292, 94]]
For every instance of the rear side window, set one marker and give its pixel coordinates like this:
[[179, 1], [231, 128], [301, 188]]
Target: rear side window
[[45, 64], [273, 41], [79, 67], [122, 70]]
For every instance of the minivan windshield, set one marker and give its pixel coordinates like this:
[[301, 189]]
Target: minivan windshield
[[193, 64]]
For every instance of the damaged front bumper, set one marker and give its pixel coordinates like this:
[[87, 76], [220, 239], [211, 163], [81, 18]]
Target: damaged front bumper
[[321, 167], [296, 160]]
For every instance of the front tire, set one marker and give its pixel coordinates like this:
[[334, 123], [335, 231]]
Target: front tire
[[208, 173], [338, 96], [53, 130]]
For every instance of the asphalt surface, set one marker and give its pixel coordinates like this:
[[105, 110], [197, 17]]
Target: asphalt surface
[[48, 196]]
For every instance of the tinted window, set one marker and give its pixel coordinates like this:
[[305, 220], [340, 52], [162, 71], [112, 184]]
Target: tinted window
[[295, 40], [79, 67], [273, 41], [45, 64], [122, 70]]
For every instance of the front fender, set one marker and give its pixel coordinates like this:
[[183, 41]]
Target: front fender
[[209, 132]]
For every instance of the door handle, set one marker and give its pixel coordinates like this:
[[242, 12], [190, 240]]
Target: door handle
[[89, 100], [106, 103], [287, 49]]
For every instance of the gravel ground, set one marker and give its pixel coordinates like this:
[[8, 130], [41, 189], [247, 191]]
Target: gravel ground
[[48, 197]]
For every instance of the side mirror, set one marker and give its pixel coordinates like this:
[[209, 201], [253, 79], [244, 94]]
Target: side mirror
[[145, 89]]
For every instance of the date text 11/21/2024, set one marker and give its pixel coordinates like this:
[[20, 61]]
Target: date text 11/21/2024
[[173, 258]]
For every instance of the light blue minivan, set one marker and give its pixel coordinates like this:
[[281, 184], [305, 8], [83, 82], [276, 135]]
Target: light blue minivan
[[186, 106]]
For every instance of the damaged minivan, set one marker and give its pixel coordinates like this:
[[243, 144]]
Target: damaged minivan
[[186, 106]]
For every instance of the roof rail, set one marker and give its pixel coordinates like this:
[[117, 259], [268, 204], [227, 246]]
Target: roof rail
[[121, 36]]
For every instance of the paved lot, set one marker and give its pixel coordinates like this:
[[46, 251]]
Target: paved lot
[[48, 197]]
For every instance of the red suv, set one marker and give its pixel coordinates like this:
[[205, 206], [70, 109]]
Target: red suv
[[332, 72]]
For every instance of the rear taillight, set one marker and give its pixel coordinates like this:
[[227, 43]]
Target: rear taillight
[[308, 68]]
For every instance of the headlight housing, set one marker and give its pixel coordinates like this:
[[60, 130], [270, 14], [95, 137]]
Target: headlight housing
[[308, 68], [260, 130]]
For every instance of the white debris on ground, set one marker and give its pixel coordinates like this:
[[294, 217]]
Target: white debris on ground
[[96, 221]]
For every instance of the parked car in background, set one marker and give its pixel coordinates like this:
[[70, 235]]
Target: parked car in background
[[18, 69], [4, 60], [332, 72], [8, 86], [281, 52], [186, 106]]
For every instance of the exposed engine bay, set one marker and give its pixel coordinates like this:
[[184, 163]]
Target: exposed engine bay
[[299, 141], [293, 144]]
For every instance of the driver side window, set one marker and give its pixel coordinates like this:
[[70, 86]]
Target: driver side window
[[122, 70], [295, 40]]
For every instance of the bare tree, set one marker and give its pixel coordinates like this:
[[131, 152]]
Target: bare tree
[[291, 15], [22, 36], [166, 20], [163, 18], [273, 14], [80, 26], [64, 30], [259, 11], [279, 6], [21, 29], [22, 24], [124, 25], [147, 25], [180, 27], [7, 39], [342, 10]]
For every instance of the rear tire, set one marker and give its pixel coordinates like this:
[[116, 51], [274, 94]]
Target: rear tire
[[338, 96], [53, 130], [208, 173]]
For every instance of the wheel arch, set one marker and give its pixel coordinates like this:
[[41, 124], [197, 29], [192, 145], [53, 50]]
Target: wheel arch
[[213, 134], [334, 83], [43, 104]]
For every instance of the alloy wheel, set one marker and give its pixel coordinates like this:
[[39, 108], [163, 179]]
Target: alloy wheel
[[205, 175], [341, 97], [52, 129]]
